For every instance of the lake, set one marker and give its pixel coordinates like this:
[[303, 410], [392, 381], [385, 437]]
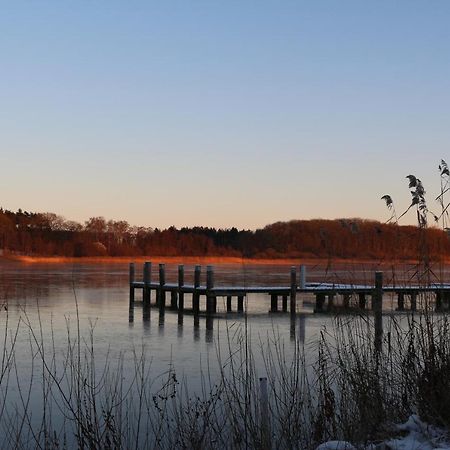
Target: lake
[[45, 306]]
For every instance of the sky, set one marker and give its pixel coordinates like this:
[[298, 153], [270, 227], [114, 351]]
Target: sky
[[222, 113]]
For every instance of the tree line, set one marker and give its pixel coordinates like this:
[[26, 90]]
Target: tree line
[[49, 234]]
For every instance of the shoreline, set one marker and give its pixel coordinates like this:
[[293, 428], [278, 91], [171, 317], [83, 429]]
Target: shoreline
[[197, 260]]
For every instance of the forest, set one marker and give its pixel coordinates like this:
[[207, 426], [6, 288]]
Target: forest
[[48, 234]]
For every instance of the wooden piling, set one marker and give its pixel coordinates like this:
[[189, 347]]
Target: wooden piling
[[330, 304], [147, 280], [162, 282], [293, 289], [413, 301], [132, 272], [229, 306], [273, 302], [401, 301], [180, 288], [195, 295], [285, 302], [302, 281], [173, 300], [211, 306], [346, 301], [362, 300], [438, 305], [378, 310], [320, 300], [240, 303]]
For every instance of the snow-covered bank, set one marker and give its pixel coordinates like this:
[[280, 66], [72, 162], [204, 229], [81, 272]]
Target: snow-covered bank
[[413, 435]]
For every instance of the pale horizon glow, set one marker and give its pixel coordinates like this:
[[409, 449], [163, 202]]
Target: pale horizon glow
[[222, 113]]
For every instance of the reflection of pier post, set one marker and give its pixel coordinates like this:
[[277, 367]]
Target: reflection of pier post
[[131, 313], [209, 334], [302, 328], [162, 318], [196, 327], [292, 327]]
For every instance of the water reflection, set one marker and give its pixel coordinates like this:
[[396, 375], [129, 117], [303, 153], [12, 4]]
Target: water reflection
[[209, 333]]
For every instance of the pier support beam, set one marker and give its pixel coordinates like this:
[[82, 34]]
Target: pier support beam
[[173, 300], [285, 298], [240, 303], [330, 304], [413, 301], [346, 301], [229, 307], [362, 300], [400, 301], [273, 302], [320, 300]]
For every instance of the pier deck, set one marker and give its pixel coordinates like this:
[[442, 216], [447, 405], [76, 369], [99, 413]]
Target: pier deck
[[326, 294]]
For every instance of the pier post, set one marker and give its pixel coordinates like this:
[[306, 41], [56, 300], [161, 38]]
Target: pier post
[[174, 299], [330, 304], [229, 308], [285, 298], [273, 302], [400, 301], [211, 306], [320, 300], [413, 301], [293, 289], [240, 303], [180, 288], [302, 277], [362, 300], [196, 295], [377, 300], [162, 282], [132, 270], [147, 280], [346, 301], [438, 306]]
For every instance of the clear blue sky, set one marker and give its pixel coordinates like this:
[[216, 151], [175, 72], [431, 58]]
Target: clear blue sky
[[221, 113]]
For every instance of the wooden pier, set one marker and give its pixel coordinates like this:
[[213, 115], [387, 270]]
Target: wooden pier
[[328, 296]]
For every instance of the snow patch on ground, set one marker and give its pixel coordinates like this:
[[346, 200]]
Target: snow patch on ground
[[413, 435]]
